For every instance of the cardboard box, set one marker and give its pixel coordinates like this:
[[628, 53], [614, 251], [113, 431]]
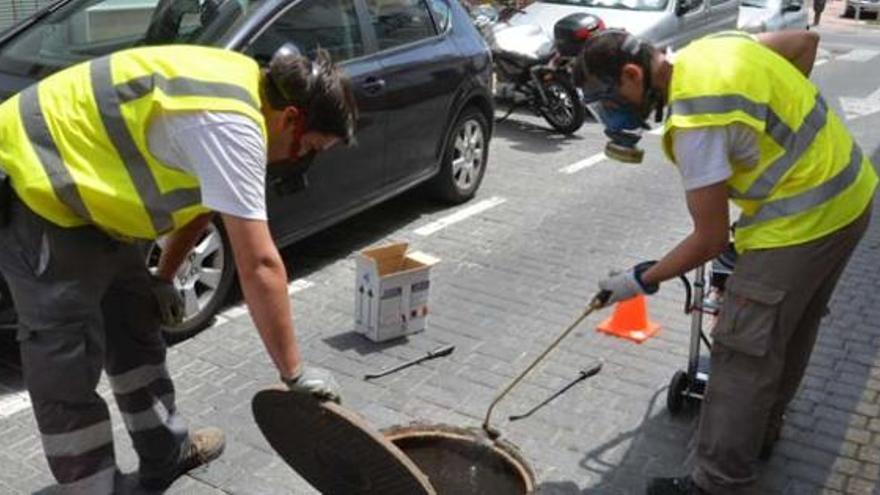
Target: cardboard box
[[391, 292]]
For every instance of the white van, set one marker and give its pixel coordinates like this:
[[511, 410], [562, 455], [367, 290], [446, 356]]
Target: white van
[[663, 23]]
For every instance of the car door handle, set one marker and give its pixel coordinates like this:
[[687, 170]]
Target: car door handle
[[373, 85]]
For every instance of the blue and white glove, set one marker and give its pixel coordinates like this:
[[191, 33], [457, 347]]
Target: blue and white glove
[[621, 286]]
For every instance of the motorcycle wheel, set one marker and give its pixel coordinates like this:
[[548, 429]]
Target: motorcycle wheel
[[564, 111]]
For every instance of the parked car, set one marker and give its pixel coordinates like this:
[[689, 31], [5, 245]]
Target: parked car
[[664, 23], [421, 74], [857, 8], [758, 16]]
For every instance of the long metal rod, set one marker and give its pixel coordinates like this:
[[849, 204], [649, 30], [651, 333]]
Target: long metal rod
[[597, 303], [582, 375]]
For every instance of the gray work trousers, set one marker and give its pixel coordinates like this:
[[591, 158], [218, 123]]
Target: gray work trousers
[[765, 334], [85, 305]]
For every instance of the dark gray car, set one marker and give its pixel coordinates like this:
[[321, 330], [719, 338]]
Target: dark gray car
[[421, 73]]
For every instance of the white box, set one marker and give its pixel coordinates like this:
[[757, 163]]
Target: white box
[[391, 292]]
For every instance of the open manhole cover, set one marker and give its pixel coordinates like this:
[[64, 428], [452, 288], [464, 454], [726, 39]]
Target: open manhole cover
[[339, 453]]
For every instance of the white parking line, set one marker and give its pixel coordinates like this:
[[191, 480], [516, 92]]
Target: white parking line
[[299, 286], [460, 215], [242, 309], [585, 163], [13, 403], [819, 62], [859, 55]]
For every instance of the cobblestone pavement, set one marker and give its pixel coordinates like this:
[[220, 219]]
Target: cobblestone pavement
[[511, 278]]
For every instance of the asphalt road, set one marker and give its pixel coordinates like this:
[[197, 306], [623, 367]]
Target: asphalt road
[[518, 263]]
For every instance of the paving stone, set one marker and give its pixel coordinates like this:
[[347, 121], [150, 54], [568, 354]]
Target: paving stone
[[511, 279]]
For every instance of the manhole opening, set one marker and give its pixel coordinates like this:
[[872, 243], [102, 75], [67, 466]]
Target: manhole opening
[[463, 463]]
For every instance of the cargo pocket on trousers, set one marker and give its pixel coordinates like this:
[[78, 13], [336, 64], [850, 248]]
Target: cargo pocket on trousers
[[63, 355], [748, 317]]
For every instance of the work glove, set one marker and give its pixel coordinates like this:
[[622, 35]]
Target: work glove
[[621, 286], [313, 381], [171, 304]]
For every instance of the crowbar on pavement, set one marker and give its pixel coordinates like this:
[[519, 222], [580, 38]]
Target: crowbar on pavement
[[436, 353]]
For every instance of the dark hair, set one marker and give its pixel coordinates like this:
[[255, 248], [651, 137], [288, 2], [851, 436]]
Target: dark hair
[[319, 87], [605, 54]]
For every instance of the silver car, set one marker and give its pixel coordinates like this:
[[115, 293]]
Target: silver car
[[757, 16], [664, 23]]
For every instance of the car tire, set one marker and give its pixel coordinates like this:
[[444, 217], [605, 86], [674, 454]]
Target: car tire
[[464, 159], [205, 279]]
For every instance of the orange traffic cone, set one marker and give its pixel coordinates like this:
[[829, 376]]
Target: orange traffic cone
[[630, 321]]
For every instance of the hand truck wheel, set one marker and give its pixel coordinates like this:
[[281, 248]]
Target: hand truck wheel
[[675, 396]]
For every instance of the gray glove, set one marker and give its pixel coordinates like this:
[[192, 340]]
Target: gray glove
[[171, 305], [625, 285], [317, 382]]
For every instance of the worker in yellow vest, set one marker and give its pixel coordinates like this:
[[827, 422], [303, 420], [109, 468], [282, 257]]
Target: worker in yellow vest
[[744, 123], [139, 144]]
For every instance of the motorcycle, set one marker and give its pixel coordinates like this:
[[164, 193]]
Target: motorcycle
[[533, 69]]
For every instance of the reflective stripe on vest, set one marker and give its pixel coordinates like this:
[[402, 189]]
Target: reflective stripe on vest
[[109, 99], [158, 207], [795, 143], [47, 152], [811, 198], [810, 178]]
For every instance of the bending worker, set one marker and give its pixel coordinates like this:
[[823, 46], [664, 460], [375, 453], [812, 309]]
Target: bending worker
[[745, 124], [132, 146]]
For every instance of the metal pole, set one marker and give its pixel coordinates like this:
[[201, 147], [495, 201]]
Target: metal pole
[[696, 322]]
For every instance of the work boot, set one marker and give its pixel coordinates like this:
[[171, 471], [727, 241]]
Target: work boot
[[674, 486], [204, 446]]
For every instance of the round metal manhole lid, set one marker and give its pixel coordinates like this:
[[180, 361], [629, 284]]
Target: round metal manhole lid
[[333, 449]]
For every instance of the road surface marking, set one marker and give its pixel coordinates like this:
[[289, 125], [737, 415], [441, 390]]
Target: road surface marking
[[859, 55], [585, 163], [294, 287], [13, 403], [854, 108], [460, 215], [820, 62], [299, 286]]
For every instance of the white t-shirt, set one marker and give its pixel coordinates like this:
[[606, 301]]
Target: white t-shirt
[[224, 150], [706, 155]]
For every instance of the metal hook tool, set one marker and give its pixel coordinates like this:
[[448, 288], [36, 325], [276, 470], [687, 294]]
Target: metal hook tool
[[441, 352], [597, 302], [584, 374]]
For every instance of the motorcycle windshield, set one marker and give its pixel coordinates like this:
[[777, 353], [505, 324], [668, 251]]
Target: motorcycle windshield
[[528, 41]]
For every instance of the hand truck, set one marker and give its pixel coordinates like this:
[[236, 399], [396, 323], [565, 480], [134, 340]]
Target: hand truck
[[686, 388]]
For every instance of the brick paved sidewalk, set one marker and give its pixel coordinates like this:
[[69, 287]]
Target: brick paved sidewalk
[[510, 280]]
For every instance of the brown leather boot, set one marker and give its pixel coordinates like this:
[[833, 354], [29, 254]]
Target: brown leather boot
[[204, 446]]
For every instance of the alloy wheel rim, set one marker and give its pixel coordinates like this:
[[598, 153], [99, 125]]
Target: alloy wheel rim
[[561, 105], [467, 158]]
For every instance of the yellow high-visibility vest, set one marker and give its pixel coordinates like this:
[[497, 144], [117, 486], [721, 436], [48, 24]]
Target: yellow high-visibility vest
[[75, 144], [811, 179]]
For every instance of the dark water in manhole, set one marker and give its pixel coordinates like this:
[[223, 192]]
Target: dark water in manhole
[[458, 466]]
